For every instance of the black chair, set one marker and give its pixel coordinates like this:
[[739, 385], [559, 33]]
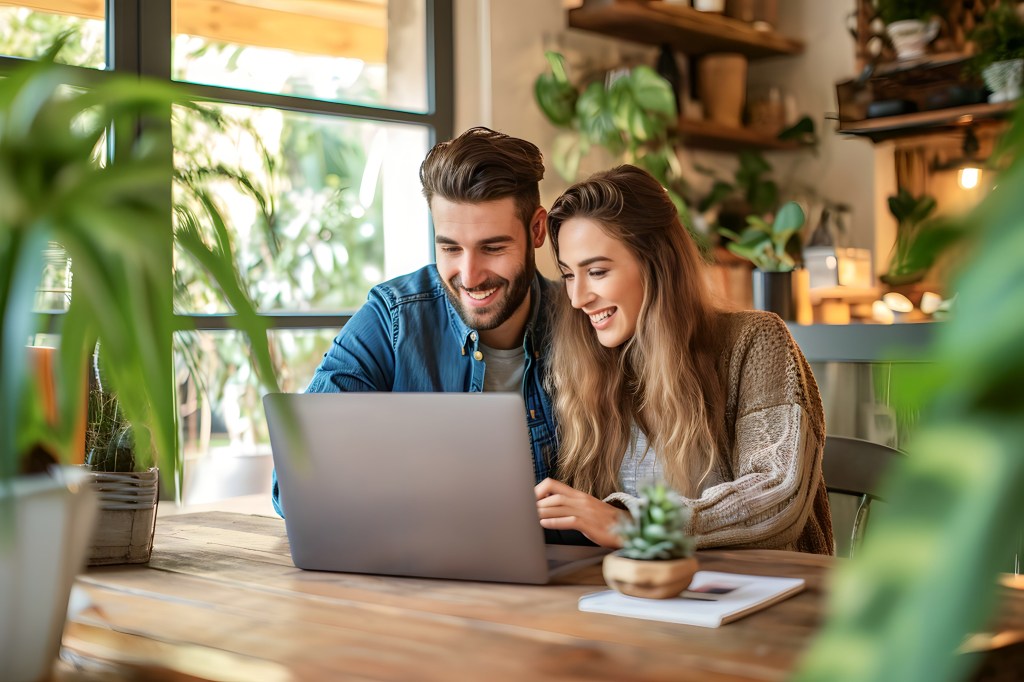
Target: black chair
[[855, 467]]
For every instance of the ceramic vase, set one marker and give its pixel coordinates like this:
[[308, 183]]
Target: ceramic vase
[[48, 522], [910, 37], [773, 291], [722, 81], [1003, 79]]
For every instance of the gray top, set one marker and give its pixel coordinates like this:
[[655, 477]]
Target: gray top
[[504, 369], [639, 465]]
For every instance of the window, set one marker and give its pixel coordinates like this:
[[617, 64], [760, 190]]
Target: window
[[332, 105]]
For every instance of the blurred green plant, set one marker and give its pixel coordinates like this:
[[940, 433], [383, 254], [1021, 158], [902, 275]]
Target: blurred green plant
[[656, 528], [629, 112], [907, 265], [113, 221], [767, 245], [998, 38], [926, 576], [902, 10]]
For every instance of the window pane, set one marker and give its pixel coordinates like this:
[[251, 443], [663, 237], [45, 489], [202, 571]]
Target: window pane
[[344, 207], [218, 392], [27, 29], [224, 432], [359, 51]]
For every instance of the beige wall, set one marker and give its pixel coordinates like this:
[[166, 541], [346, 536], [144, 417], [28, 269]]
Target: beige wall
[[499, 52]]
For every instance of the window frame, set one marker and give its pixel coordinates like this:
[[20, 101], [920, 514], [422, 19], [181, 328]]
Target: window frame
[[139, 38]]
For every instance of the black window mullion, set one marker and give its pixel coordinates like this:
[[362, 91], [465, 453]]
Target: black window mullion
[[305, 105], [441, 68]]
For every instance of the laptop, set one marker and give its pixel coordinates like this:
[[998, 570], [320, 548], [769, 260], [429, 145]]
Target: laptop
[[434, 485]]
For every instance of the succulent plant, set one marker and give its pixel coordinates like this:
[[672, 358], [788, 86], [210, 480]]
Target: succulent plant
[[656, 528]]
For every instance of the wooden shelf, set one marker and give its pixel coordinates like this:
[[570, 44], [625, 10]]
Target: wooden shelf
[[889, 127], [686, 29], [718, 137]]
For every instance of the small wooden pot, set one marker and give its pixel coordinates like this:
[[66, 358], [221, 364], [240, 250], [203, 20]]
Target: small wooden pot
[[127, 517], [651, 579]]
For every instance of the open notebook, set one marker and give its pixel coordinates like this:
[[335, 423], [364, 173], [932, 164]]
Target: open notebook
[[712, 599]]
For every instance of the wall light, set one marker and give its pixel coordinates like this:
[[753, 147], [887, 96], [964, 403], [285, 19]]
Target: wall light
[[968, 165]]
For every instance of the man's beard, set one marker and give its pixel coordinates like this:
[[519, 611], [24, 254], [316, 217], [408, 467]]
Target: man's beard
[[498, 312]]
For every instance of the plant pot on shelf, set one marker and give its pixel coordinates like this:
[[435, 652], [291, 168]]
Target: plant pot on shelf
[[910, 37], [722, 82], [127, 517], [773, 291], [47, 522], [648, 578], [1004, 79]]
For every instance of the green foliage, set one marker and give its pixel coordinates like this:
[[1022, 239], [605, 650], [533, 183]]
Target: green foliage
[[902, 10], [109, 443], [27, 33], [657, 528], [752, 186], [911, 214], [629, 113], [114, 222], [765, 245], [927, 573], [999, 37]]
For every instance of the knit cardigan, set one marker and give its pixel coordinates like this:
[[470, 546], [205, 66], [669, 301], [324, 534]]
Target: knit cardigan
[[768, 491]]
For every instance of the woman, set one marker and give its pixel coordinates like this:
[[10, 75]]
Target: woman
[[652, 381]]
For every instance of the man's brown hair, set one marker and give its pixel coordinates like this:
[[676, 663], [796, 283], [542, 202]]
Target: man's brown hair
[[483, 165]]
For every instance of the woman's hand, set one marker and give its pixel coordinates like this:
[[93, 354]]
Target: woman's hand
[[562, 507]]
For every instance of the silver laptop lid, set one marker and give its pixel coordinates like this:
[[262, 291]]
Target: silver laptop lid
[[415, 484]]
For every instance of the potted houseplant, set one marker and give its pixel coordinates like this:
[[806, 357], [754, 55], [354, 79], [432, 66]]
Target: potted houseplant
[[910, 24], [770, 247], [911, 213], [628, 112], [656, 560], [751, 190], [113, 219], [999, 51], [127, 489]]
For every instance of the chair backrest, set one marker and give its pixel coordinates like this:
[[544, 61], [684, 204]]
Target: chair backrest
[[852, 466]]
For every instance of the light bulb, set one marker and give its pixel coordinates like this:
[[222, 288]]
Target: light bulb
[[968, 177]]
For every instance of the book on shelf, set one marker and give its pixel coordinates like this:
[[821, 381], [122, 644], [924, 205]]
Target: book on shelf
[[711, 600]]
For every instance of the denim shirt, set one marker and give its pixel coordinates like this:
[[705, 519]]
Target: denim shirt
[[407, 337]]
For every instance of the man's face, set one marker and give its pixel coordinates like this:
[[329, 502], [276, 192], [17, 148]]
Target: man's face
[[485, 258]]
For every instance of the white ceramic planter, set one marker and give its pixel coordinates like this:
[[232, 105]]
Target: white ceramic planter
[[911, 37], [1004, 79], [49, 525]]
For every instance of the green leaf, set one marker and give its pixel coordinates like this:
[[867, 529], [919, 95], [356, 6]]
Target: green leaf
[[653, 93], [788, 220]]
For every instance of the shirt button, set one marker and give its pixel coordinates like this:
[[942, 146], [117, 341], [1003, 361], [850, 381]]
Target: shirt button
[[478, 355], [472, 337]]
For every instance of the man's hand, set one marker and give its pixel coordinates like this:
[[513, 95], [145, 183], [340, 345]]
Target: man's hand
[[562, 507]]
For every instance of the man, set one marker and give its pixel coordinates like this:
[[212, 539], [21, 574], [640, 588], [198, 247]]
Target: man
[[476, 320]]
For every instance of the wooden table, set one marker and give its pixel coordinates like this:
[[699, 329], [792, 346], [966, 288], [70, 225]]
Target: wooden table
[[221, 600]]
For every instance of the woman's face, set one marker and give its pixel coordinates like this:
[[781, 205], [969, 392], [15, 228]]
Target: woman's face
[[603, 279]]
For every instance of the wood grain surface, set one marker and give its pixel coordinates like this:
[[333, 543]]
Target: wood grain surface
[[221, 600]]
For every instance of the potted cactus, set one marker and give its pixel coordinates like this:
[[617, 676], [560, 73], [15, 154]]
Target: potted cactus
[[656, 560], [127, 487]]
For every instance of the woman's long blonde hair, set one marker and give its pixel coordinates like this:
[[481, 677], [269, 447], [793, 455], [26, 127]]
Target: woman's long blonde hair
[[664, 379]]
